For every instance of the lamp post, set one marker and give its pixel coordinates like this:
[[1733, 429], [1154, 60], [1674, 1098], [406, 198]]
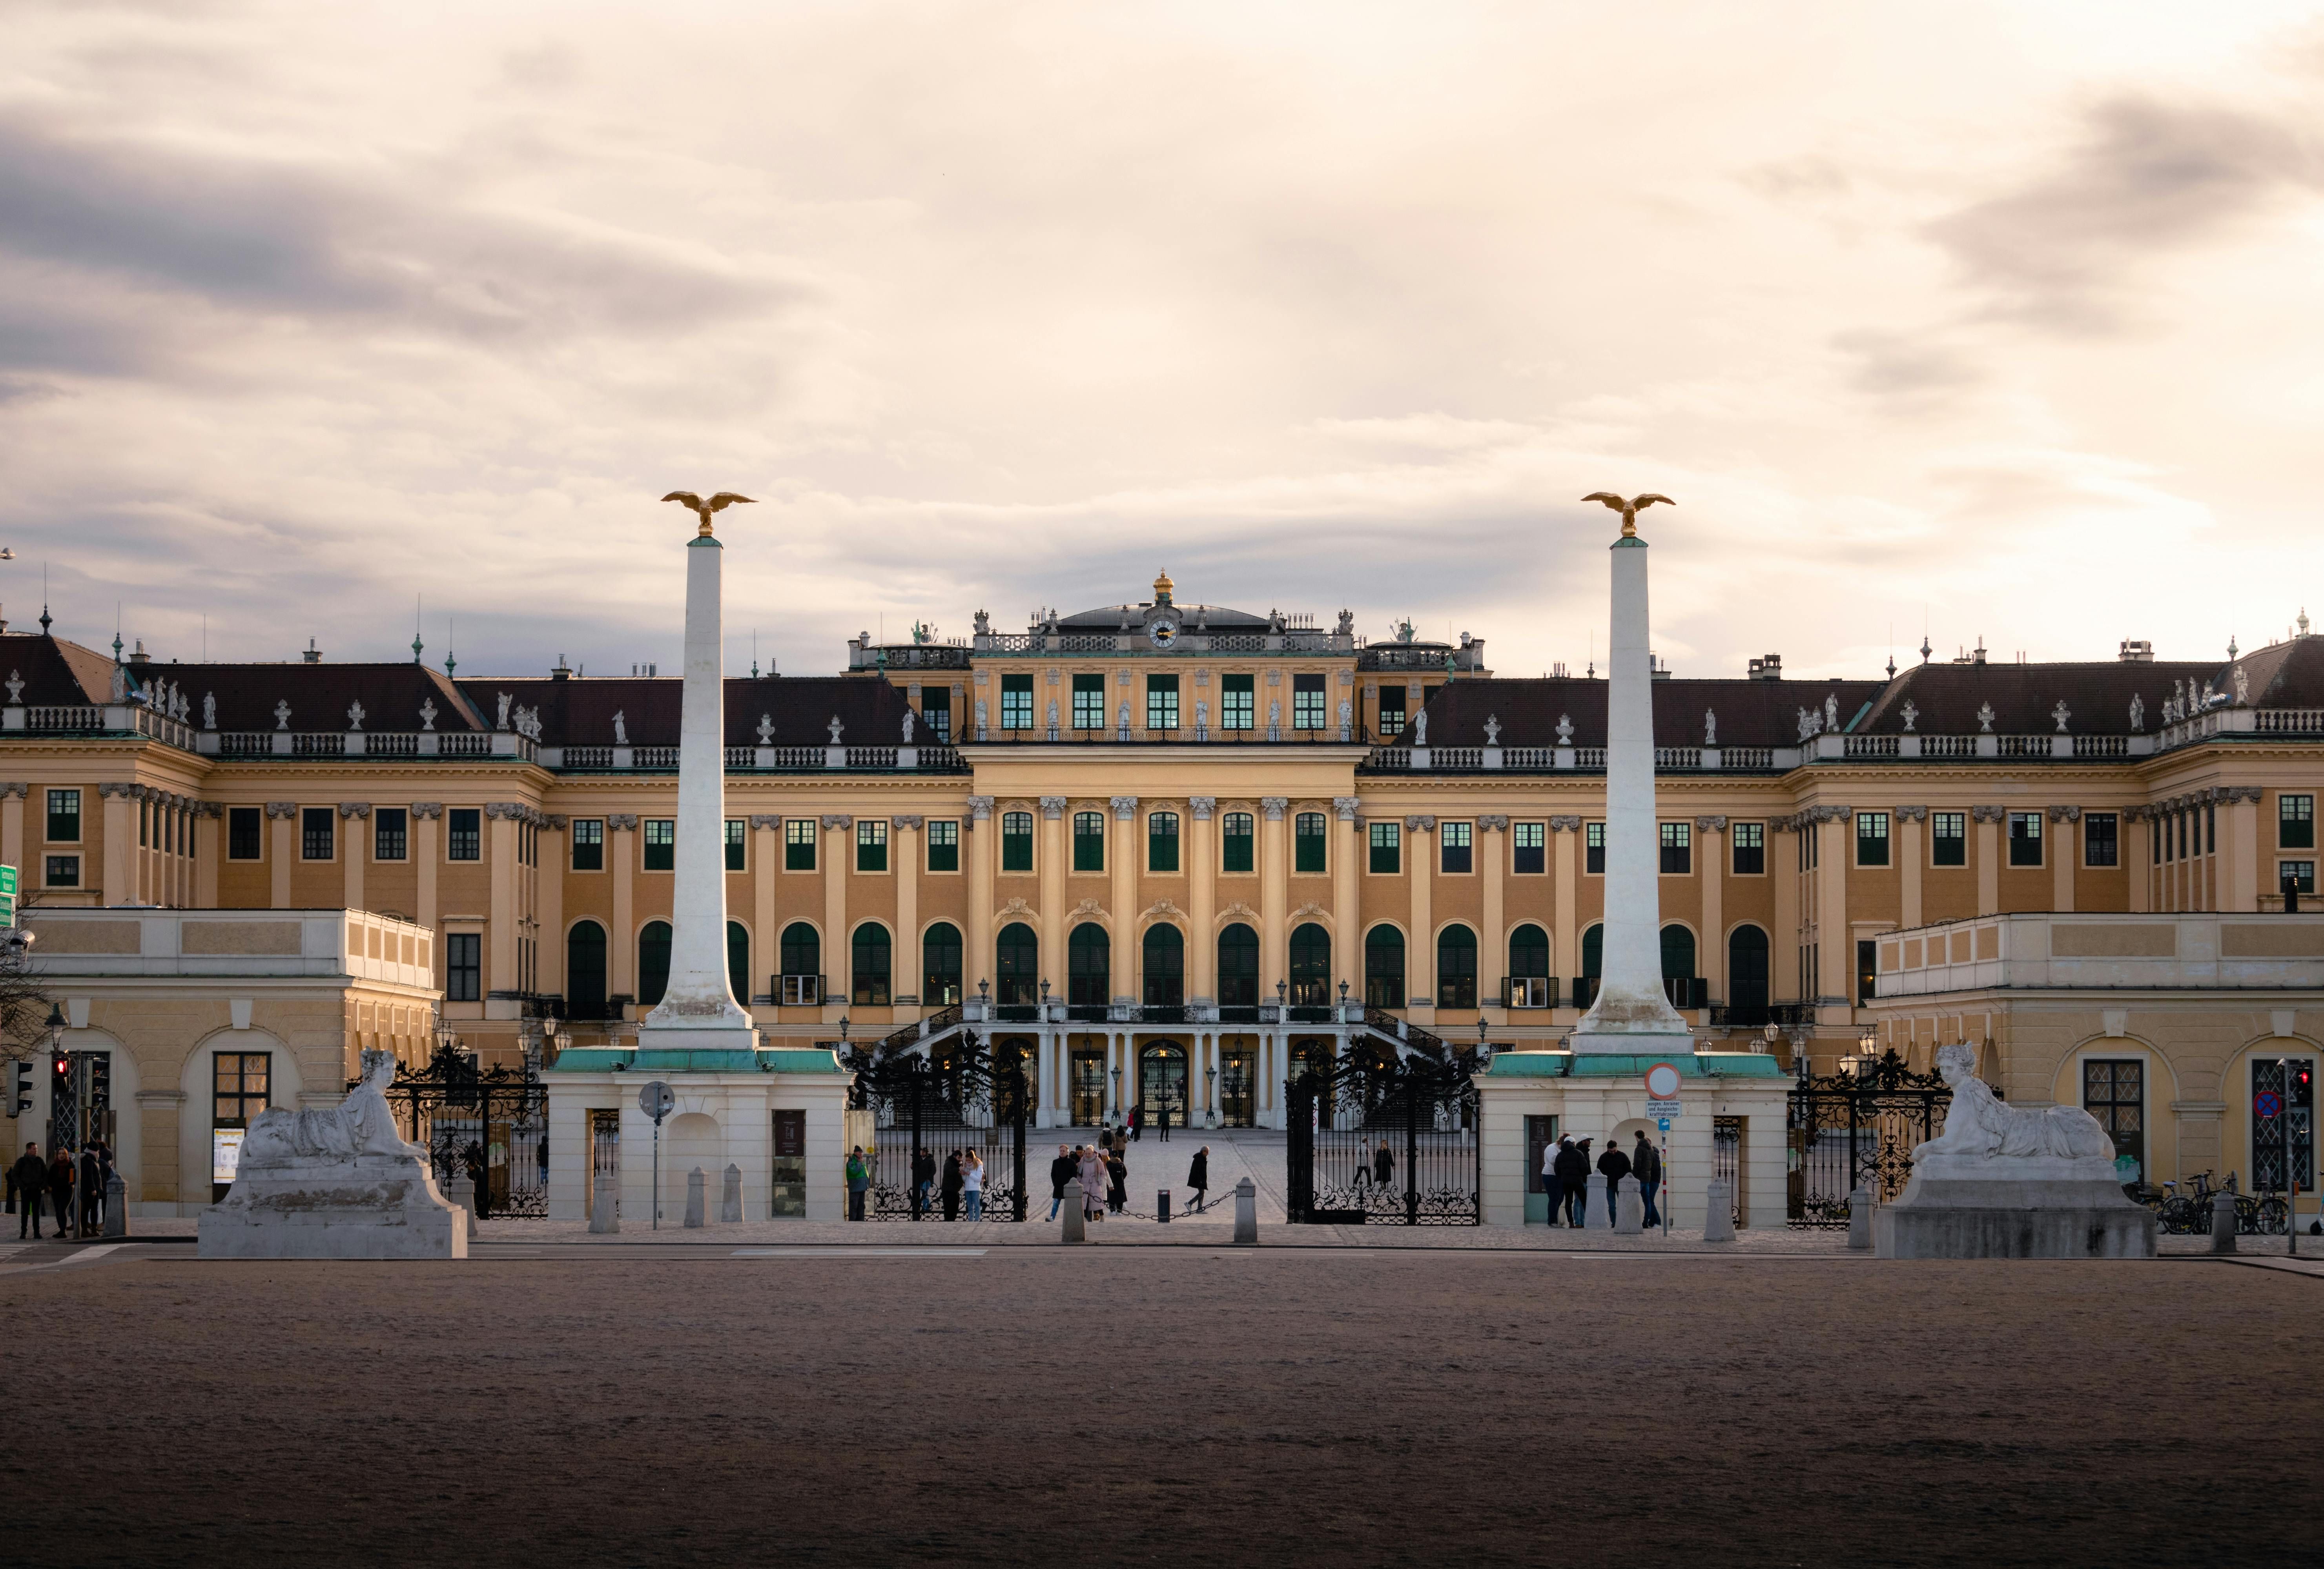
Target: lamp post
[[1117, 1089], [1211, 1096]]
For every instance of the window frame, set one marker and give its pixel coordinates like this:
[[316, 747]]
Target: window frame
[[463, 826], [866, 988], [387, 819], [1882, 837], [1519, 832], [1675, 848], [1238, 715], [938, 990], [1016, 848], [2306, 873], [2295, 821], [1160, 826], [1230, 840], [2032, 823], [57, 798], [1938, 822], [1384, 837], [1161, 701], [738, 845], [318, 824], [1392, 720], [2112, 840], [872, 850], [60, 871], [235, 818], [1311, 851], [1089, 716], [1012, 689], [663, 847], [943, 834], [1737, 833], [801, 837], [1449, 831], [1375, 991], [585, 833], [1593, 848], [463, 957], [1093, 844], [1304, 687]]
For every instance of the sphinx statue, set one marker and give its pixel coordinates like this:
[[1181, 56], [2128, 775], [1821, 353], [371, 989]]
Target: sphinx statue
[[361, 1125], [1980, 1128]]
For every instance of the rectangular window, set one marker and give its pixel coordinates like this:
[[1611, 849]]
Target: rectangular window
[[737, 847], [799, 844], [1238, 703], [588, 844], [661, 844], [1015, 841], [2099, 845], [464, 967], [871, 844], [944, 844], [1387, 848], [1677, 849], [61, 872], [391, 833], [2114, 1093], [245, 834], [1750, 848], [1528, 847], [1161, 702], [463, 838], [1391, 712], [2025, 839], [64, 817], [2297, 1119], [2295, 822], [1867, 971], [317, 834], [1307, 843], [1162, 842], [1235, 841], [1948, 839], [1089, 702], [1593, 848], [1455, 856], [1307, 702], [1016, 702], [1089, 841], [1871, 838], [2300, 875], [936, 711]]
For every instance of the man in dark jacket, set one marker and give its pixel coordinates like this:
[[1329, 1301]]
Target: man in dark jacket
[[1646, 1166], [1613, 1165], [1061, 1171], [924, 1178], [1384, 1167], [1198, 1178], [1573, 1176], [949, 1192], [60, 1188], [29, 1177], [92, 1192]]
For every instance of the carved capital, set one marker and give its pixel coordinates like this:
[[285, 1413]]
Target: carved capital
[[109, 788], [1493, 824], [554, 822], [1712, 824], [762, 819], [621, 822], [980, 808], [427, 811], [282, 809], [354, 809], [1201, 806], [512, 810], [1275, 806], [837, 819], [209, 809], [16, 787], [1419, 825], [1564, 824], [1053, 807], [1345, 805], [907, 819], [1988, 814], [1912, 814], [1125, 807], [2065, 814]]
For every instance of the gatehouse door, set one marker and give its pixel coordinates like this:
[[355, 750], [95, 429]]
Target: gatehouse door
[[1088, 1087], [1238, 1086], [1162, 1082]]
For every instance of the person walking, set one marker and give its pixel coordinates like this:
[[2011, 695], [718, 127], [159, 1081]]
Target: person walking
[[92, 1192], [1384, 1167], [60, 1188], [858, 1180], [1551, 1183], [1137, 1122], [1615, 1166], [1198, 1178], [972, 1184], [1117, 1191], [1092, 1170], [1363, 1166], [950, 1191], [1061, 1171], [924, 1179], [1646, 1166], [29, 1179], [1573, 1176], [1162, 1122]]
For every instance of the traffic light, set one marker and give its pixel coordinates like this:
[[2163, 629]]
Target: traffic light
[[100, 1079], [2304, 1085], [24, 1095]]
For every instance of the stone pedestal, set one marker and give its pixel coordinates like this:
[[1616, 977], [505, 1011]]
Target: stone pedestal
[[2035, 1214], [116, 1207], [1630, 1209], [1076, 1226], [603, 1219], [1598, 1209], [1246, 1198], [375, 1207], [1718, 1213], [694, 1199], [730, 1196]]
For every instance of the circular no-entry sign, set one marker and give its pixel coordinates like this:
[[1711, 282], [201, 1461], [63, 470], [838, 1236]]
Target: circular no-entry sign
[[2268, 1103], [1662, 1081]]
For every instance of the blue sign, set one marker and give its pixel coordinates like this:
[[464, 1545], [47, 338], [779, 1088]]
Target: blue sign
[[1664, 1123]]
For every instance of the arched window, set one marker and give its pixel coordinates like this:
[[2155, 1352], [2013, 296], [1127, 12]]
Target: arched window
[[802, 960], [1166, 968], [1310, 967], [738, 961], [1593, 952], [1017, 955], [1679, 982], [1383, 967], [1162, 842], [1089, 967], [940, 965], [653, 963], [1746, 976], [870, 964], [1457, 968], [1528, 984], [585, 972], [1238, 966]]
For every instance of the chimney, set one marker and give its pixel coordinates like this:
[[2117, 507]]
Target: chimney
[[313, 655], [2136, 651], [1768, 667], [138, 656], [561, 673]]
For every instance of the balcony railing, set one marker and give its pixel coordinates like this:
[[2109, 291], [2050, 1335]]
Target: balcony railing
[[1948, 747], [1872, 746]]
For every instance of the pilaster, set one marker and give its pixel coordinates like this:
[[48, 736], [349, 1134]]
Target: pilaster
[[1988, 820], [1050, 859], [1274, 885], [1346, 850], [425, 816], [977, 830], [1912, 857], [905, 858], [500, 943], [1124, 950], [838, 861], [1420, 946], [120, 840], [622, 857], [1492, 853], [1201, 866], [282, 846], [354, 848], [1711, 854], [766, 853]]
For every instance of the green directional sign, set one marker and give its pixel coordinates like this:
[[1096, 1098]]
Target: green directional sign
[[8, 896]]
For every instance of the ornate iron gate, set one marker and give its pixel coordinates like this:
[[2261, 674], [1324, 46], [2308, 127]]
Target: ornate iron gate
[[1848, 1128], [1376, 1138], [935, 1107], [490, 1123]]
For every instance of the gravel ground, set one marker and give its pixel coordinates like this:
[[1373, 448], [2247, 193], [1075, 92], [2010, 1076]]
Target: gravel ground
[[1194, 1405]]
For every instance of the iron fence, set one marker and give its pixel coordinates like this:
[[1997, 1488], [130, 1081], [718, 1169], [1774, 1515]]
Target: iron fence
[[1862, 1127], [1381, 1138], [932, 1111]]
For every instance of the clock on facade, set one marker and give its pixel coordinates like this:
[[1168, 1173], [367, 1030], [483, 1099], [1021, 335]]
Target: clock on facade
[[1163, 632]]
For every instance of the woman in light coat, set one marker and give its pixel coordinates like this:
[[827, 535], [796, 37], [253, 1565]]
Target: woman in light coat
[[972, 1180], [1093, 1176]]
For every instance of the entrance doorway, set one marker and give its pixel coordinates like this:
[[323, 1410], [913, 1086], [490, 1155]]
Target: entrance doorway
[[1087, 1088], [1238, 1085], [1162, 1082]]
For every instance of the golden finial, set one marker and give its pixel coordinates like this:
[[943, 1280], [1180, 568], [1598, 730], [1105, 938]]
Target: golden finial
[[704, 509], [1629, 510], [1162, 587]]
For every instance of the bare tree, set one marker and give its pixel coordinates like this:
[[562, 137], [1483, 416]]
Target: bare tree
[[24, 1003]]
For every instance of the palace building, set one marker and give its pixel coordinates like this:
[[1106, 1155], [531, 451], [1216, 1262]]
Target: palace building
[[1172, 849]]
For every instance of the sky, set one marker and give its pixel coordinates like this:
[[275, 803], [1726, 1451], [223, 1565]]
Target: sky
[[1990, 321]]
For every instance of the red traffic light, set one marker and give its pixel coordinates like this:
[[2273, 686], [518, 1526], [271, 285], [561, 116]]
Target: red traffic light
[[64, 1065]]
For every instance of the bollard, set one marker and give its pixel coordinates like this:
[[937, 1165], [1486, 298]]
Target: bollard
[[461, 1193], [116, 1207], [1162, 1205], [2223, 1223], [1718, 1213], [603, 1216], [729, 1197], [1598, 1210], [1246, 1196], [1630, 1209], [1077, 1224], [694, 1186], [1859, 1219]]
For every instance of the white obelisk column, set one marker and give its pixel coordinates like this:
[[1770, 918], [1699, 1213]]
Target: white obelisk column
[[699, 1000], [1631, 1014]]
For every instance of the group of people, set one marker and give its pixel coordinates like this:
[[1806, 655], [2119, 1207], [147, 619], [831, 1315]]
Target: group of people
[[33, 1182], [960, 1193], [1566, 1177], [1376, 1167], [1099, 1177], [1134, 1122]]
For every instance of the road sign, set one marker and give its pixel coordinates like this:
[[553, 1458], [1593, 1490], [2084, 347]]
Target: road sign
[[657, 1100], [8, 896], [2267, 1105], [1662, 1123], [1662, 1081], [1666, 1109]]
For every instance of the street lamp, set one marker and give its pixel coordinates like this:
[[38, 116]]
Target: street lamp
[[1045, 991]]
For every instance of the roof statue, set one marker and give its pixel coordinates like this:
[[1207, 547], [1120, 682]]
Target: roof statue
[[702, 508], [1630, 508], [621, 727]]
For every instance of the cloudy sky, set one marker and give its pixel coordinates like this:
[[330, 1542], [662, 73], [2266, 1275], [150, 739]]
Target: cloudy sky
[[2002, 318]]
